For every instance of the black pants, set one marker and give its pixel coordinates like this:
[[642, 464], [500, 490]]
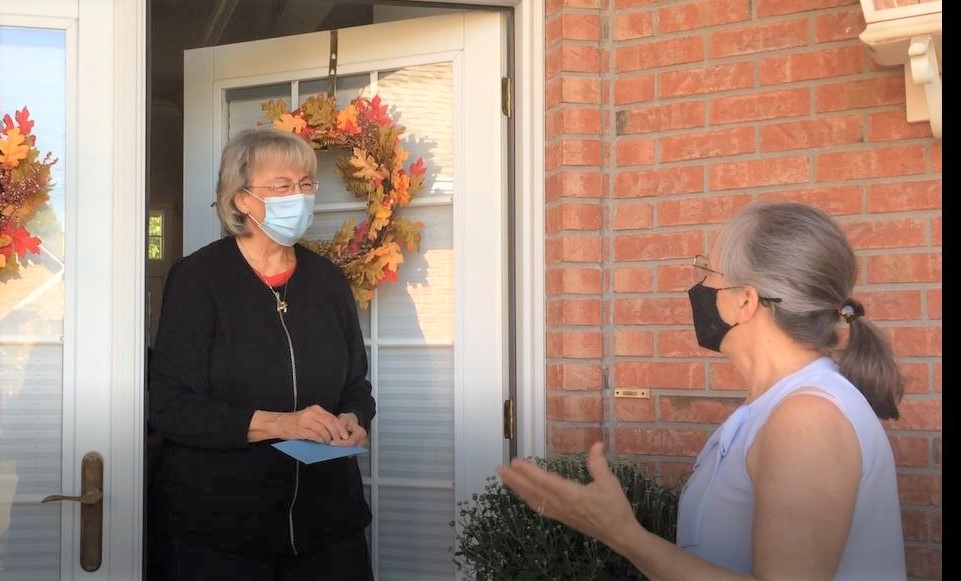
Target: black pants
[[346, 559]]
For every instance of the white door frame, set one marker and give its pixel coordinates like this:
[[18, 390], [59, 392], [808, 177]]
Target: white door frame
[[104, 284]]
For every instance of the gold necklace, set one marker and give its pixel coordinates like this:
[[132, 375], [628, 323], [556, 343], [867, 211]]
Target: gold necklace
[[281, 302]]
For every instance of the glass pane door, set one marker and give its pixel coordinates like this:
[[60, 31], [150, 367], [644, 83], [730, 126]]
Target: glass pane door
[[33, 62]]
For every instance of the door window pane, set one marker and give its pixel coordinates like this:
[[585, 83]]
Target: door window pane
[[33, 65]]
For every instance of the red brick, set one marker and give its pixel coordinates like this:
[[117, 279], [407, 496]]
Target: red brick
[[870, 163], [653, 375], [662, 53], [566, 440], [937, 388], [574, 377], [832, 200], [660, 441], [572, 58], [724, 376], [570, 89], [574, 184], [635, 152], [936, 528], [574, 408], [698, 410], [631, 25], [629, 342], [911, 268], [573, 217], [758, 38], [661, 118], [875, 233], [634, 89], [934, 304], [570, 248], [846, 95], [912, 452], [554, 5], [709, 144], [573, 26], [572, 121], [707, 80], [677, 343], [936, 157], [894, 126], [694, 211], [844, 24], [754, 107], [573, 152], [759, 172], [574, 344], [893, 305], [914, 523], [921, 489], [917, 414], [660, 246], [923, 562], [904, 196], [674, 473], [702, 14], [632, 280], [659, 182], [634, 410], [675, 277], [633, 216], [573, 281], [917, 341], [655, 311], [834, 62], [767, 8], [937, 453], [811, 134], [574, 312], [936, 231], [916, 377], [632, 3]]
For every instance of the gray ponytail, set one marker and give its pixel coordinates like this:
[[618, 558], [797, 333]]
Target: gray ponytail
[[797, 253]]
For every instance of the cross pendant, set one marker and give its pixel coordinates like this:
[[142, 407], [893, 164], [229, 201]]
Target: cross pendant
[[281, 306]]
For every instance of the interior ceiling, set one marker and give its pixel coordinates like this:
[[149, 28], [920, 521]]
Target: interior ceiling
[[178, 25]]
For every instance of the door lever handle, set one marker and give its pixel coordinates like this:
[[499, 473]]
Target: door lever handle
[[91, 510], [90, 497]]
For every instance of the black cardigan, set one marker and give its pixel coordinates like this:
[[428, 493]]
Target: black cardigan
[[221, 353]]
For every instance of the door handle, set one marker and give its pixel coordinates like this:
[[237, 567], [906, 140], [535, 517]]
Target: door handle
[[91, 510]]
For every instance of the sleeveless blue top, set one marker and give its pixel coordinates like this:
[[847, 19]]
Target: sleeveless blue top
[[717, 504]]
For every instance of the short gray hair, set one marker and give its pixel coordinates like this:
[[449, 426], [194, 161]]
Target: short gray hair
[[243, 153], [798, 254]]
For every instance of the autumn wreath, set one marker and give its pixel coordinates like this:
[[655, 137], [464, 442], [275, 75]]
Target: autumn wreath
[[24, 184], [369, 252]]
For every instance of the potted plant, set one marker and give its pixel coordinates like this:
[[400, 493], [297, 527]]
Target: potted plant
[[499, 538]]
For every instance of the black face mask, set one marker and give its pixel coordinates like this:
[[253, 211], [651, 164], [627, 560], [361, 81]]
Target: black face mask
[[709, 327]]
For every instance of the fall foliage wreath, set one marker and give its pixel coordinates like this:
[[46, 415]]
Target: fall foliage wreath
[[24, 184], [368, 252]]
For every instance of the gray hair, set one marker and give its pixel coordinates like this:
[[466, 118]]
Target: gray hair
[[243, 154], [799, 254]]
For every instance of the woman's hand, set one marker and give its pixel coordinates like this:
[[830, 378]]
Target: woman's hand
[[599, 509], [357, 435], [311, 423]]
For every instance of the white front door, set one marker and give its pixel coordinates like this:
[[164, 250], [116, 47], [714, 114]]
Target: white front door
[[437, 337], [71, 319]]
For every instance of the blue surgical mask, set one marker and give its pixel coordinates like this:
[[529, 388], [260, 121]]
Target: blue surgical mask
[[286, 218]]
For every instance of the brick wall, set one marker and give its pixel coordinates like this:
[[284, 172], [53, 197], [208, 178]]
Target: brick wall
[[665, 118]]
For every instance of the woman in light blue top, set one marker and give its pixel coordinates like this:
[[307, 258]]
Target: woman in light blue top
[[799, 482]]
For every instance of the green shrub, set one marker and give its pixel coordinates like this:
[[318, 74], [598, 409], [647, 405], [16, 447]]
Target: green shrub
[[501, 539]]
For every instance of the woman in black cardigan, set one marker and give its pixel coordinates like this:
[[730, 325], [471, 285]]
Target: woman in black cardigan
[[259, 341]]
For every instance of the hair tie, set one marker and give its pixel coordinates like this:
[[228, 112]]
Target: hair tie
[[851, 310]]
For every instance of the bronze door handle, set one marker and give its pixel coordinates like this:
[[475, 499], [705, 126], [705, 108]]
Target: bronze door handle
[[91, 510]]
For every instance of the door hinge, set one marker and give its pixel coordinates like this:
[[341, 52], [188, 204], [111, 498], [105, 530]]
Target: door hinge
[[507, 96], [510, 420]]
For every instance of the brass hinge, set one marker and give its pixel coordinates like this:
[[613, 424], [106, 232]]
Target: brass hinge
[[510, 420], [507, 96]]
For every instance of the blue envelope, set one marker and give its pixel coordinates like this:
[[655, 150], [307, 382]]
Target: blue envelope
[[310, 452]]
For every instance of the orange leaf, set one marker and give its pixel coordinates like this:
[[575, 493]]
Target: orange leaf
[[12, 148]]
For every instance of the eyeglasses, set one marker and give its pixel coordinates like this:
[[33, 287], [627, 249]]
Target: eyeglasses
[[702, 268], [285, 188]]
